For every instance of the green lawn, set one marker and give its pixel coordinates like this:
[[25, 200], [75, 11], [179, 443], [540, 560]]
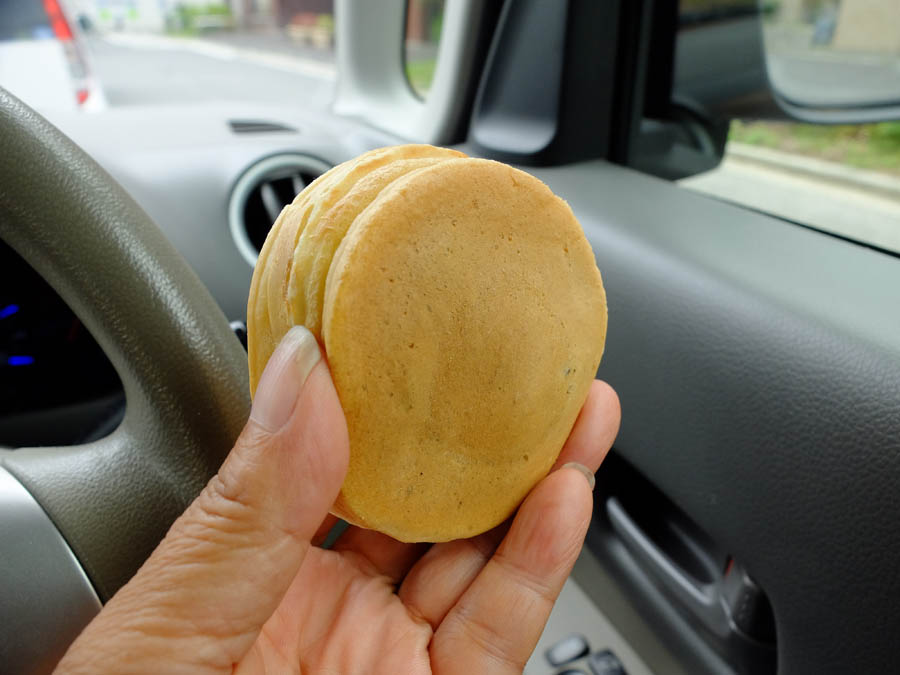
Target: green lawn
[[867, 146]]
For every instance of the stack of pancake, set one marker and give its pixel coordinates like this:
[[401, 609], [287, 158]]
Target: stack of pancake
[[463, 318]]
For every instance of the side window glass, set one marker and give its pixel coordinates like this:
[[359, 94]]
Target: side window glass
[[818, 54], [424, 19]]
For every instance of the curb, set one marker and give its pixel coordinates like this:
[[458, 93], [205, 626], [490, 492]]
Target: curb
[[830, 172]]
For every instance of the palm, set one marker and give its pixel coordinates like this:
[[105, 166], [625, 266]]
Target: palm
[[341, 615]]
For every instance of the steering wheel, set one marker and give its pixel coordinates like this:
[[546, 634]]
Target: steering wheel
[[77, 522]]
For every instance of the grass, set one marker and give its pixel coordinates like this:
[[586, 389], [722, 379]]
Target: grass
[[189, 18], [867, 146], [420, 74]]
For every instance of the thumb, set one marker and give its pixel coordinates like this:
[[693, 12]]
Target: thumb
[[225, 564]]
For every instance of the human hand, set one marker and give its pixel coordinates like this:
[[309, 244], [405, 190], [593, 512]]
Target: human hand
[[239, 585]]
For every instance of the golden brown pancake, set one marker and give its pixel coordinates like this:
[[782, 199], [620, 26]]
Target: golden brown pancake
[[463, 317], [268, 311], [319, 241]]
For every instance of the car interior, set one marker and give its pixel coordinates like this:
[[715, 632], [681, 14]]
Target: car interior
[[744, 521]]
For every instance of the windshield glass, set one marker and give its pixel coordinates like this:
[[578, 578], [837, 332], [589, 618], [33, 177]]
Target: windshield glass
[[424, 21], [131, 52], [91, 55]]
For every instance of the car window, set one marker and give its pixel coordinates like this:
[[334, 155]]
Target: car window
[[424, 21], [841, 179], [845, 178]]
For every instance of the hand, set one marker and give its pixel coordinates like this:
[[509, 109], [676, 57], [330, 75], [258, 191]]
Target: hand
[[239, 584]]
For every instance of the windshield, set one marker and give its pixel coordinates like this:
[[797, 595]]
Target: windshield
[[90, 55], [127, 53]]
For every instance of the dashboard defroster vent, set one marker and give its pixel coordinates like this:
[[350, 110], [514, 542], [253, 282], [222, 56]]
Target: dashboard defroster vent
[[259, 127]]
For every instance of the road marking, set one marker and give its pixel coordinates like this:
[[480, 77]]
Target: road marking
[[283, 62]]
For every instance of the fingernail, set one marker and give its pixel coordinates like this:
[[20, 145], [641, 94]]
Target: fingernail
[[284, 377], [586, 472]]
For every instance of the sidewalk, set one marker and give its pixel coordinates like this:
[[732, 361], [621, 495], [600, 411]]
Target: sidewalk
[[873, 182], [854, 203]]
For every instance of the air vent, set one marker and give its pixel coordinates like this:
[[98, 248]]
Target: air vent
[[258, 127], [262, 192]]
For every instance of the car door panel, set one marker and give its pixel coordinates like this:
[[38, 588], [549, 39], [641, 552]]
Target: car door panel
[[758, 364]]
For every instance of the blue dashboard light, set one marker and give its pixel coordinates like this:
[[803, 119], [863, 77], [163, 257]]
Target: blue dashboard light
[[20, 360], [9, 310]]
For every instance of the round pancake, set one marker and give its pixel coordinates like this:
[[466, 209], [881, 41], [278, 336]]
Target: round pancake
[[269, 313], [320, 239], [464, 320]]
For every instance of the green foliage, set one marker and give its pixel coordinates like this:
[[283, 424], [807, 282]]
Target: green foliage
[[212, 9], [420, 74], [868, 146], [886, 135], [753, 134], [325, 21], [187, 17], [434, 30]]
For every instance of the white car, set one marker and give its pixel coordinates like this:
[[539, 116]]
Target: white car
[[43, 59]]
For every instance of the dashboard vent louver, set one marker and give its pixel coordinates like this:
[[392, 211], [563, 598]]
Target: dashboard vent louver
[[258, 127], [262, 192]]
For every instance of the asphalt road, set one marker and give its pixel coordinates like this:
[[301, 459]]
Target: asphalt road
[[137, 70]]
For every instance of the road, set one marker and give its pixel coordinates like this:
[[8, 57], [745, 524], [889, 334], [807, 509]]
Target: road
[[137, 69]]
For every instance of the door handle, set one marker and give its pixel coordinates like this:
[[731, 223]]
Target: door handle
[[699, 597], [724, 600]]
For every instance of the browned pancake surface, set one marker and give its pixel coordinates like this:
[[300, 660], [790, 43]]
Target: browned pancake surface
[[464, 319]]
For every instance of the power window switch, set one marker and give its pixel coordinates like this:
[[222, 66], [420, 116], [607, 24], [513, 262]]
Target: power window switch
[[567, 650], [605, 663]]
